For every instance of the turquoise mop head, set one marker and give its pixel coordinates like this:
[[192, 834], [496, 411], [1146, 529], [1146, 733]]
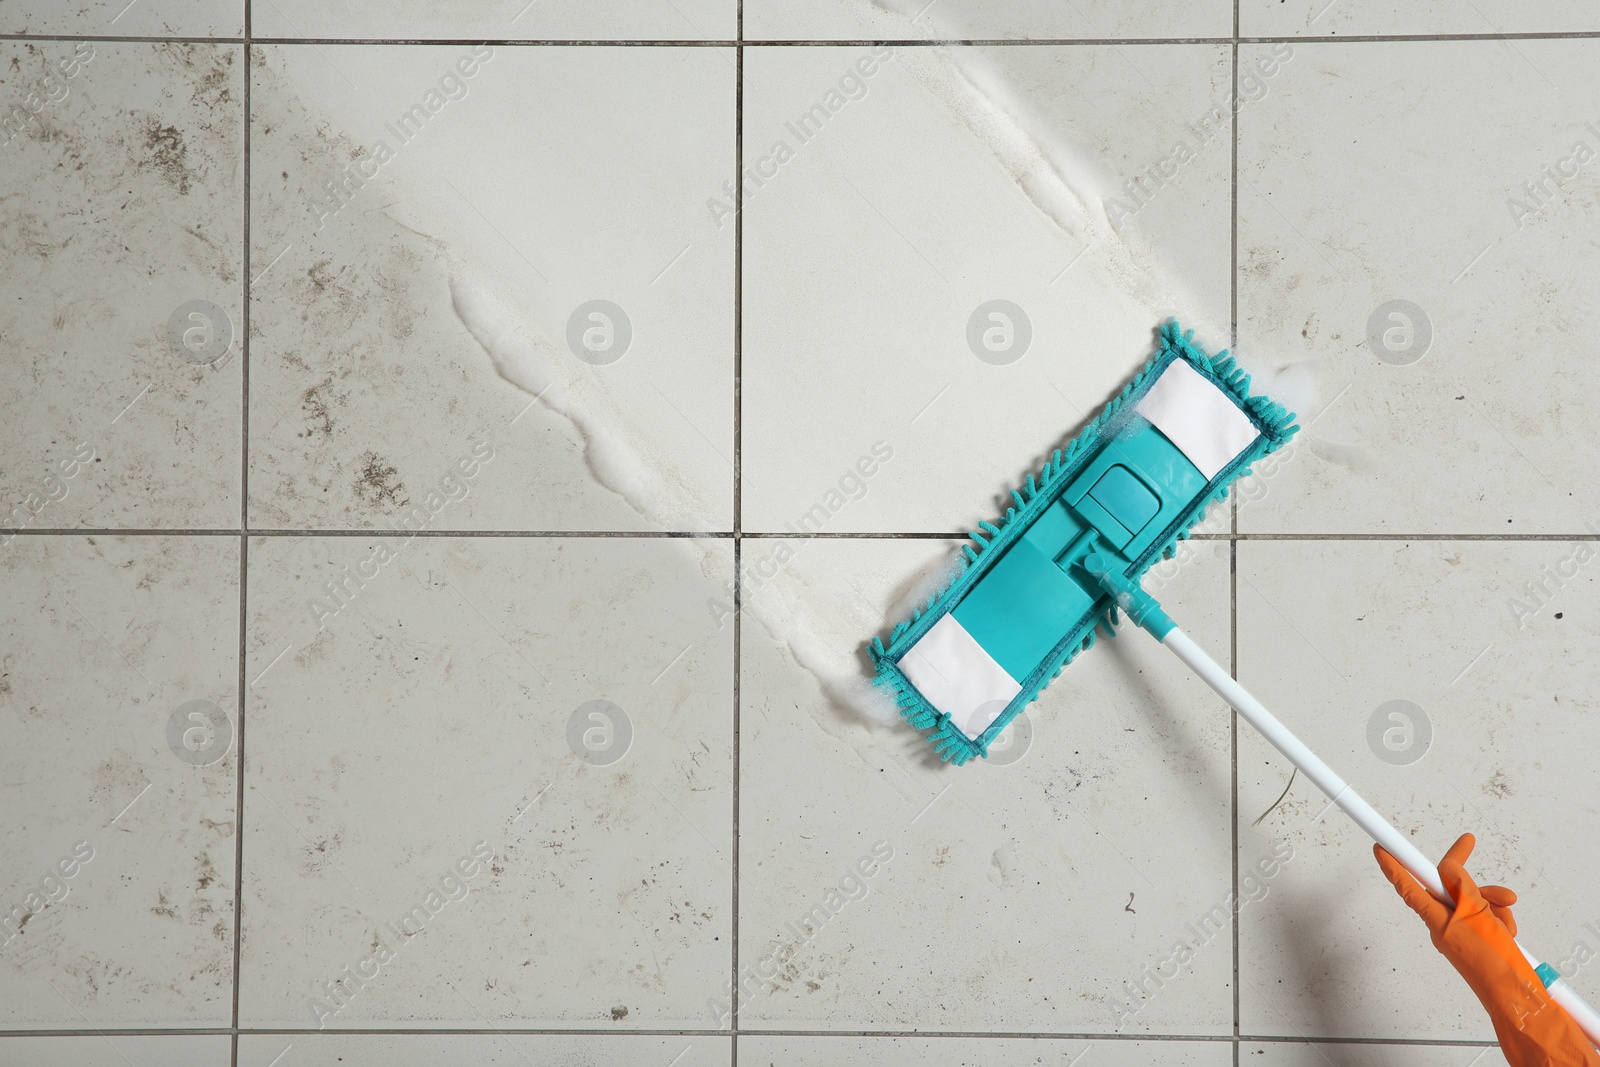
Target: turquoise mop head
[[1127, 488]]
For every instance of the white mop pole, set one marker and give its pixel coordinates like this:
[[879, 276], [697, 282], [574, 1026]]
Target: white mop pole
[[1338, 790]]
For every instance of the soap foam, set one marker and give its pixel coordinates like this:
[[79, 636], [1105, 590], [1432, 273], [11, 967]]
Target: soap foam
[[527, 362], [1069, 188]]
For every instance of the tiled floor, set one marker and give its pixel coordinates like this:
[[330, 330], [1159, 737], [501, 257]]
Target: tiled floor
[[408, 645]]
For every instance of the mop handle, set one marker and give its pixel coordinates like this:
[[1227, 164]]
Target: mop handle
[[1393, 841], [1145, 612]]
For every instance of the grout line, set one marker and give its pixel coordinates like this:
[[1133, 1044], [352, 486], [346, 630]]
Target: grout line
[[963, 1035], [922, 42], [738, 285], [1510, 538], [860, 535], [391, 532], [238, 802], [738, 507], [1233, 529], [244, 549]]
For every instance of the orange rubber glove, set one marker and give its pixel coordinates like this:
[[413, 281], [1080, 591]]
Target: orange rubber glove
[[1476, 937]]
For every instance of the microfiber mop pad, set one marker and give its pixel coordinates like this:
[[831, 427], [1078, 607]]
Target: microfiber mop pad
[[1127, 488]]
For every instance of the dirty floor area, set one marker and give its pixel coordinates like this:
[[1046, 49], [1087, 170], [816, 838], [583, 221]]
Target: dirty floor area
[[455, 454]]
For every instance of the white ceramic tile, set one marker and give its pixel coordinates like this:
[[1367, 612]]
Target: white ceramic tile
[[1364, 179], [432, 713], [982, 19], [1329, 634], [122, 186], [119, 854], [501, 20], [502, 1050], [1018, 897], [1321, 18], [122, 18], [1304, 1054], [555, 176], [122, 1050], [819, 1051], [868, 249]]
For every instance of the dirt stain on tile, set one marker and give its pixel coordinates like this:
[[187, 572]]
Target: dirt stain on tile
[[164, 906], [315, 402], [210, 74], [317, 855], [1499, 786], [207, 873], [379, 483], [167, 153], [115, 780]]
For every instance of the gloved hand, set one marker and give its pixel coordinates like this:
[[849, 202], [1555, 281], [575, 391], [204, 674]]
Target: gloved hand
[[1476, 937]]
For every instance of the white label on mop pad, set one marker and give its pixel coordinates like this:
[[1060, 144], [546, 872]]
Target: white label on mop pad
[[958, 677], [1198, 417]]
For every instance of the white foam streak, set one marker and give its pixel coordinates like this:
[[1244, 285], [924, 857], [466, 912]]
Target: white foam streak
[[527, 363]]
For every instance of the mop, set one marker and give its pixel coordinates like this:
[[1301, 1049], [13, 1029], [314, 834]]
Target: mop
[[1067, 558]]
